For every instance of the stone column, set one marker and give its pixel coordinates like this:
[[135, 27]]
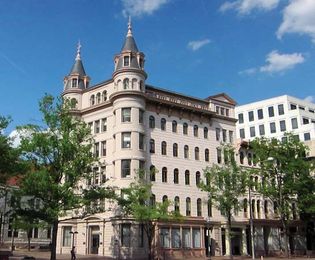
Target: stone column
[[244, 242], [227, 242]]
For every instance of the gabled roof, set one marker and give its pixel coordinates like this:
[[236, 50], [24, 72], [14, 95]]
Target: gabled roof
[[222, 97]]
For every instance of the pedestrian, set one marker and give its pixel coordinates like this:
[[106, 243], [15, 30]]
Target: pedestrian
[[73, 257]]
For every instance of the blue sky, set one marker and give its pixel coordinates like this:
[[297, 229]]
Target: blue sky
[[249, 49]]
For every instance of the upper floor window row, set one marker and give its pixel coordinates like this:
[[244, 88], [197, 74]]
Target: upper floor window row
[[223, 111], [130, 84], [98, 126], [98, 98], [126, 115]]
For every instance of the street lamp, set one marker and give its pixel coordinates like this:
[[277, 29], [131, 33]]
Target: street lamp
[[73, 233], [208, 238], [251, 223]]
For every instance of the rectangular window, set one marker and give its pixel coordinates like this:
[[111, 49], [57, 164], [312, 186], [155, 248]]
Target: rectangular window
[[262, 130], [126, 140], [103, 148], [219, 155], [97, 149], [301, 108], [196, 237], [272, 128], [141, 116], [271, 112], [311, 110], [222, 111], [176, 238], [97, 126], [306, 121], [296, 137], [294, 123], [104, 124], [66, 241], [186, 238], [242, 133], [165, 237], [280, 109], [141, 141], [224, 135], [260, 114], [231, 136], [252, 131], [227, 112], [240, 118], [217, 134], [125, 168], [292, 106], [126, 115], [125, 235], [126, 61], [282, 126], [307, 136], [251, 116]]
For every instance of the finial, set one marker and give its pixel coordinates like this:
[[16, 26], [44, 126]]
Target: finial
[[78, 57], [129, 27]]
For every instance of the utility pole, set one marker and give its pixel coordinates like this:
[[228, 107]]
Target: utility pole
[[251, 221]]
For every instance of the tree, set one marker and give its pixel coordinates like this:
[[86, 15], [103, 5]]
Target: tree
[[138, 202], [60, 154], [224, 185], [285, 172]]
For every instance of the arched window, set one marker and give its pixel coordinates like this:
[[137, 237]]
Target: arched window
[[258, 208], [141, 85], [152, 146], [98, 98], [256, 183], [195, 130], [186, 152], [152, 200], [176, 204], [196, 153], [126, 61], [151, 122], [198, 178], [126, 83], [188, 206], [133, 83], [266, 208], [152, 173], [176, 177], [104, 95], [119, 84], [174, 126], [175, 150], [205, 132], [164, 199], [199, 208], [242, 157], [187, 177], [163, 124], [253, 208], [207, 155], [185, 129], [92, 100], [163, 148], [245, 207], [249, 158], [209, 208], [219, 155], [164, 174]]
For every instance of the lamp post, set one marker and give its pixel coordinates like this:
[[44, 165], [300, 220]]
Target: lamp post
[[208, 238], [251, 223], [73, 233]]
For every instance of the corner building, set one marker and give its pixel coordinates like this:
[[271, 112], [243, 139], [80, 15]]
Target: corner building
[[136, 125]]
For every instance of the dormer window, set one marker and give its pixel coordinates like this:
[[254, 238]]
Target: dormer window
[[74, 83], [126, 61], [141, 63]]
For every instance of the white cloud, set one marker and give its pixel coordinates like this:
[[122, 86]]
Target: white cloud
[[196, 45], [310, 99], [141, 7], [249, 71], [244, 7], [298, 17], [17, 135], [277, 62]]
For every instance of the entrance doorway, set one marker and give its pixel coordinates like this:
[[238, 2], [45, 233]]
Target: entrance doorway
[[94, 239], [236, 241]]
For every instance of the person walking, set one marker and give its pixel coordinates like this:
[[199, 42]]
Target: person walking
[[73, 257]]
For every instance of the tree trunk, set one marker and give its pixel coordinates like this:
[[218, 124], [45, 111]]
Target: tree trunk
[[229, 236], [54, 240], [286, 240], [29, 244]]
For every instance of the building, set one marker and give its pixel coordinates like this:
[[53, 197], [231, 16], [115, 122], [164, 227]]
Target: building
[[137, 125]]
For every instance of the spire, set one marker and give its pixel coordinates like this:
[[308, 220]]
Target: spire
[[78, 57], [77, 67], [130, 43], [129, 33]]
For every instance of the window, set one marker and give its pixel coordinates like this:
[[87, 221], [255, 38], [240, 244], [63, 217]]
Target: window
[[103, 148], [175, 150], [240, 118], [262, 130], [207, 155], [196, 153], [186, 237], [141, 85], [35, 232], [126, 83], [199, 208], [66, 239], [301, 108], [219, 155], [292, 106], [187, 177], [217, 134], [185, 129], [306, 121], [280, 109], [209, 206], [296, 137], [176, 177], [104, 124], [260, 113], [198, 178], [141, 231], [271, 111], [174, 126], [307, 136], [227, 112], [195, 130], [163, 148], [98, 98], [92, 100], [141, 141], [242, 157], [133, 83], [151, 122], [175, 238], [231, 137], [126, 140], [282, 126], [96, 149], [251, 116], [165, 237], [176, 204], [126, 61], [104, 95], [125, 168], [152, 146], [224, 135], [186, 152], [141, 116], [125, 235], [48, 232], [188, 206], [74, 83], [294, 123], [164, 174], [126, 115], [163, 124], [141, 165], [242, 133], [205, 132], [152, 173], [252, 131], [97, 126], [272, 128]]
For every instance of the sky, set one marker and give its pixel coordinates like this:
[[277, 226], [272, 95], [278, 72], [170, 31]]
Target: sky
[[249, 49]]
